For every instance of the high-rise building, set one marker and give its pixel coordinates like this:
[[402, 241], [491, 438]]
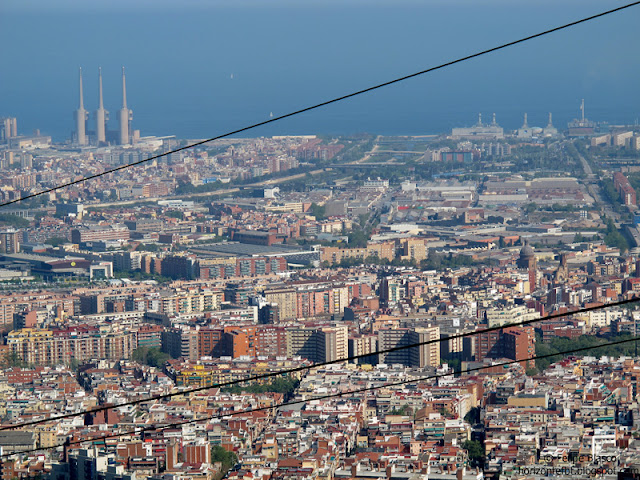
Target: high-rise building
[[304, 342], [363, 345], [391, 291], [271, 341], [424, 355], [179, 266], [336, 343], [451, 345], [9, 130], [389, 338], [511, 342], [46, 347], [99, 233], [520, 343], [498, 317], [318, 344], [419, 356], [238, 293], [286, 300], [413, 249], [488, 345], [209, 339], [239, 342], [10, 241]]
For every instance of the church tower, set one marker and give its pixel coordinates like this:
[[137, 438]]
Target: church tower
[[562, 274], [527, 261]]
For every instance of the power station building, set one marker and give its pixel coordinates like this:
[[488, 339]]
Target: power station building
[[480, 131], [124, 135]]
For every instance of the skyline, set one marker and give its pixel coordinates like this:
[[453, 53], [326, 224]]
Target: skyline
[[438, 279], [439, 268], [100, 116], [540, 118], [254, 67]]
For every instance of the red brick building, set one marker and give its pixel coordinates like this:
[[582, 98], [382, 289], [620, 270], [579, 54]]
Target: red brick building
[[512, 342], [624, 189]]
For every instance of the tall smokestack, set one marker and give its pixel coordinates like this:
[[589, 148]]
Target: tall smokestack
[[125, 115], [81, 118], [124, 90], [101, 115]]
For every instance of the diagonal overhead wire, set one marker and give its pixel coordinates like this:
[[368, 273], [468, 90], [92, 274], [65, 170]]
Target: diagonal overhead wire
[[156, 428], [317, 365], [334, 100]]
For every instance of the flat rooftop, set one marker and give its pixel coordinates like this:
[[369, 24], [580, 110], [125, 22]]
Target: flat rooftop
[[27, 257], [236, 249]]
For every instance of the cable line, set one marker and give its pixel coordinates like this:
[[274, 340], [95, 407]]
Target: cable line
[[317, 365], [329, 102], [320, 397]]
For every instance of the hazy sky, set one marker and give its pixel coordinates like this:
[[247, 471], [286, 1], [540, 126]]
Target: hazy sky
[[197, 68], [94, 5]]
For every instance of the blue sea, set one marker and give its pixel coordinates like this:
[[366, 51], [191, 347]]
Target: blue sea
[[199, 68]]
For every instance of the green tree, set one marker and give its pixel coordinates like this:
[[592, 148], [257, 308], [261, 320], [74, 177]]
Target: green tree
[[476, 451], [561, 344], [73, 365], [317, 211], [437, 261], [285, 385], [455, 364], [12, 359], [614, 238], [611, 193], [148, 247], [473, 416], [56, 241], [358, 238], [404, 410], [226, 458], [151, 356], [14, 221]]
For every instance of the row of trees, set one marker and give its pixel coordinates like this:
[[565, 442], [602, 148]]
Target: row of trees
[[285, 385], [14, 221], [151, 356], [613, 237], [611, 193], [561, 344], [435, 261]]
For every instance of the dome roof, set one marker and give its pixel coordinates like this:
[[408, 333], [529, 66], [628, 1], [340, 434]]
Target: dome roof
[[527, 251]]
